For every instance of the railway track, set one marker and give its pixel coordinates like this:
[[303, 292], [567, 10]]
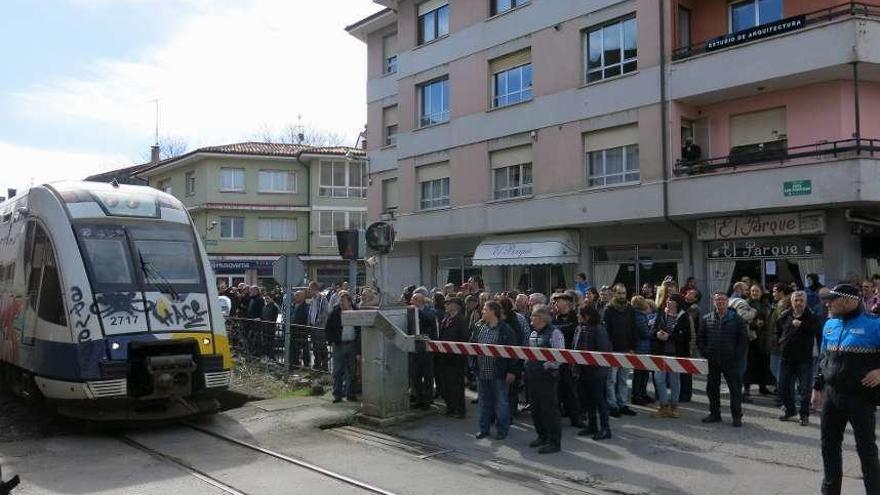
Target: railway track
[[206, 477]]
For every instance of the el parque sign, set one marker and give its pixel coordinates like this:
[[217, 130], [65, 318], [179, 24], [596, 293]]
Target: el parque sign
[[746, 227]]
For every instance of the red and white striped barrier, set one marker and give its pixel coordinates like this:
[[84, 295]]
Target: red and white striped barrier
[[603, 359]]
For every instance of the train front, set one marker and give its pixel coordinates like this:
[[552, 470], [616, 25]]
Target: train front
[[162, 351]]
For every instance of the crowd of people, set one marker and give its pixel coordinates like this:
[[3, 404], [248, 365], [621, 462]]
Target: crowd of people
[[748, 337]]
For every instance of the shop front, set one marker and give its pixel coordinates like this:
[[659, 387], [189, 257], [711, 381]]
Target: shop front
[[766, 248], [231, 271], [635, 265], [534, 262]]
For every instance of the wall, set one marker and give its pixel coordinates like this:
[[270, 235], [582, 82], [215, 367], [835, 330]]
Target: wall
[[251, 195], [250, 245]]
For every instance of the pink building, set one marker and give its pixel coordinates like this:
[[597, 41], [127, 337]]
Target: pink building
[[530, 140]]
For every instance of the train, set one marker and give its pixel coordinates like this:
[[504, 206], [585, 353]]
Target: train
[[106, 312]]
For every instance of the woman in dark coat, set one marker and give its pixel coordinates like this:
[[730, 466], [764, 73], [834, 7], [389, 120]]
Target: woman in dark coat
[[591, 336], [758, 365]]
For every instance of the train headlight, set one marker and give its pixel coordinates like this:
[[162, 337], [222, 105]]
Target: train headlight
[[206, 341], [115, 346]]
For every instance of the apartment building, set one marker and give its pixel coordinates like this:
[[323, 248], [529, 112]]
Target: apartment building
[[529, 140], [253, 202]]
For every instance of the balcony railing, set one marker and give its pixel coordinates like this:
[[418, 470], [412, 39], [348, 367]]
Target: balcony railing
[[775, 154], [848, 9]]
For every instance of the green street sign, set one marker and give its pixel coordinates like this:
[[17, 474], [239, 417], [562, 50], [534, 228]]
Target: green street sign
[[797, 188]]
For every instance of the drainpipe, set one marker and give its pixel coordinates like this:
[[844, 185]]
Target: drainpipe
[[664, 129], [858, 133]]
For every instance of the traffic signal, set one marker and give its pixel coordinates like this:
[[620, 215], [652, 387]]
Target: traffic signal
[[347, 241], [380, 237]]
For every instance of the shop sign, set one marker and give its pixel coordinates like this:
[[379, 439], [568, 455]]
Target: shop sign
[[756, 33], [746, 227], [512, 251], [765, 248], [797, 188], [263, 267]]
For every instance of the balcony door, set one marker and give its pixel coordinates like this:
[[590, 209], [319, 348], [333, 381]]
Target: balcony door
[[750, 13]]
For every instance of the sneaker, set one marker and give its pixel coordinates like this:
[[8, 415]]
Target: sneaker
[[711, 419], [538, 442], [549, 449], [614, 413], [805, 421], [481, 435], [602, 435], [626, 411], [737, 422], [673, 412], [787, 417]]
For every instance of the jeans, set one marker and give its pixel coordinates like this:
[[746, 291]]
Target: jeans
[[662, 380], [734, 382], [775, 363], [494, 405], [617, 392], [789, 373], [343, 369], [837, 410]]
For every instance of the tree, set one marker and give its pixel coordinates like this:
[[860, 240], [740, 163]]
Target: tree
[[300, 133], [169, 147]]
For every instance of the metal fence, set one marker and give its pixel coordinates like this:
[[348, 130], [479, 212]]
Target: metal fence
[[258, 339]]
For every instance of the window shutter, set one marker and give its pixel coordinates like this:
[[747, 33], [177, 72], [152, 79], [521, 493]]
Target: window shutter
[[614, 137], [430, 5], [389, 115], [390, 194], [511, 156], [432, 172], [510, 61], [389, 46], [757, 127]]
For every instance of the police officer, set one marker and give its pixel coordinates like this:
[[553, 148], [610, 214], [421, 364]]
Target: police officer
[[846, 386], [542, 378]]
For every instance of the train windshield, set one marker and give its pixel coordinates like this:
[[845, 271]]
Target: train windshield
[[141, 257]]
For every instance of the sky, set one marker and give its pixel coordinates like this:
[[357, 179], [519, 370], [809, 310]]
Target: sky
[[80, 78]]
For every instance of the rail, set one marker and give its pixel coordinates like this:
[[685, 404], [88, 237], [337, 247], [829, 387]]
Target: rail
[[259, 339], [828, 14], [842, 148]]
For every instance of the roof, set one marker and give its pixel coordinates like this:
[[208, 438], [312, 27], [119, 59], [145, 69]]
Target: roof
[[381, 19], [255, 148], [121, 175]]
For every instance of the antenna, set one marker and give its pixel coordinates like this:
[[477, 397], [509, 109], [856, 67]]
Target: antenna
[[156, 101]]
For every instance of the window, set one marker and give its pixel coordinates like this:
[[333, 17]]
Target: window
[[277, 181], [512, 86], [433, 20], [107, 254], [331, 221], [44, 287], [168, 254], [341, 179], [232, 179], [502, 6], [435, 193], [190, 181], [232, 227], [389, 125], [389, 54], [751, 13], [164, 185], [434, 99], [684, 27], [613, 166], [277, 229], [611, 49], [390, 195], [513, 182]]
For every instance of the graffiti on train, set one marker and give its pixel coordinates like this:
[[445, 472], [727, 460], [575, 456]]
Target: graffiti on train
[[11, 310], [79, 315], [127, 308]]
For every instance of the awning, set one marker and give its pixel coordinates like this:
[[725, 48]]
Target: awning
[[536, 248]]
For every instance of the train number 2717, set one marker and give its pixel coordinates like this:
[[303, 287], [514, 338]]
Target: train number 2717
[[123, 320]]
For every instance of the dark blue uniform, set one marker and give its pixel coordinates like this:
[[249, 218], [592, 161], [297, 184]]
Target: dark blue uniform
[[850, 349]]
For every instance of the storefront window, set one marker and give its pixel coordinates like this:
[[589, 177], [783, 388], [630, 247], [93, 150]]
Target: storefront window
[[540, 278], [456, 270], [636, 265]]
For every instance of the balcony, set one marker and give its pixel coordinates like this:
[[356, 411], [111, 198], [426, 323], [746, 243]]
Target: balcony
[[817, 175], [815, 47], [777, 152], [849, 9]]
